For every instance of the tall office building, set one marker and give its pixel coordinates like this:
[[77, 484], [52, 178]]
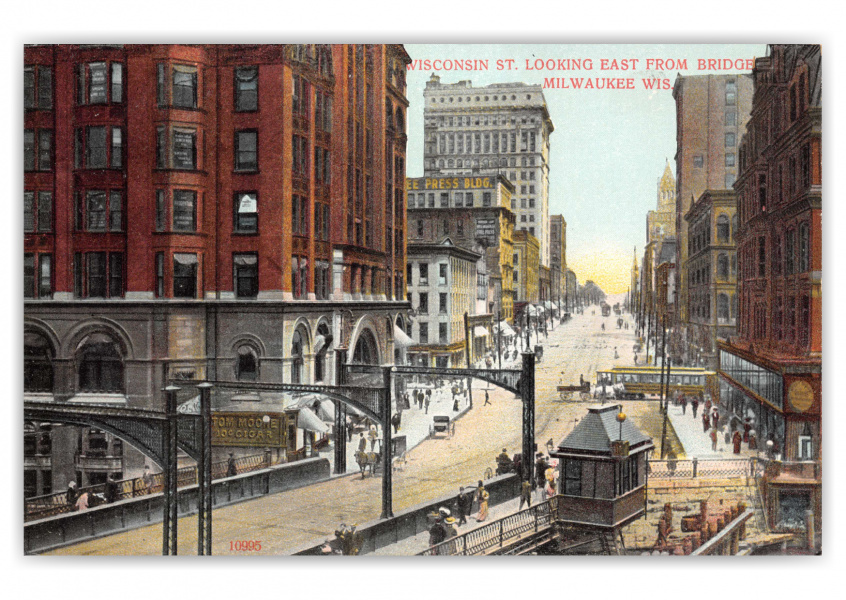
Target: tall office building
[[711, 114], [502, 128]]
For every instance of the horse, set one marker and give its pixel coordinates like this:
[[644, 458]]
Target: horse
[[367, 459]]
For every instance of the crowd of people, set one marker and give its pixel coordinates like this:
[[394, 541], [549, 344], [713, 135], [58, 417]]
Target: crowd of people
[[719, 424]]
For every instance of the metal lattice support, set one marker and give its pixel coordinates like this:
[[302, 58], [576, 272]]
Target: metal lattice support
[[527, 393], [387, 450], [340, 415]]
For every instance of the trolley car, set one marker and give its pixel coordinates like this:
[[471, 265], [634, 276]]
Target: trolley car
[[639, 382]]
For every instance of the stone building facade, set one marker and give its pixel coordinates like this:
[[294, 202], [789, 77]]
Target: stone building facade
[[498, 129]]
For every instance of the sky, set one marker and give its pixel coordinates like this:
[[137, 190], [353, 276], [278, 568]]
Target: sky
[[609, 147]]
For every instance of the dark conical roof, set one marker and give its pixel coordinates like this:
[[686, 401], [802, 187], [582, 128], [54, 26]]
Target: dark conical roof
[[598, 429]]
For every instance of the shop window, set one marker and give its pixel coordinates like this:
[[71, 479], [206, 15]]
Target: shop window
[[100, 364], [246, 89], [245, 267]]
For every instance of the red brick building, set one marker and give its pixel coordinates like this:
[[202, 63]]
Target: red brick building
[[771, 371], [207, 211]]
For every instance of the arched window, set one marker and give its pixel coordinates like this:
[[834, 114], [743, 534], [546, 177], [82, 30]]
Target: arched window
[[365, 349], [38, 367], [321, 345], [722, 308], [100, 364], [723, 229], [722, 266], [297, 360], [246, 369]]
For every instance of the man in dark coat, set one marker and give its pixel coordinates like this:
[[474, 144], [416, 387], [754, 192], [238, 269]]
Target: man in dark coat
[[706, 422], [231, 469], [362, 443], [464, 502], [540, 468], [737, 439], [694, 404], [111, 490], [71, 494]]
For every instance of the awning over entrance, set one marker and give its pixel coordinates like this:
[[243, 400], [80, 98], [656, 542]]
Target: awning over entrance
[[506, 330], [479, 331], [401, 339], [308, 420]]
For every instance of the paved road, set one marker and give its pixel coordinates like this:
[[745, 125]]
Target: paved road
[[436, 467]]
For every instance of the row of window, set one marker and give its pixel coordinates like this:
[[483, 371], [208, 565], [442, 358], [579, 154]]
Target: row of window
[[503, 98], [782, 324], [423, 302], [488, 142], [792, 177], [101, 275], [788, 256], [423, 273], [423, 333], [177, 85]]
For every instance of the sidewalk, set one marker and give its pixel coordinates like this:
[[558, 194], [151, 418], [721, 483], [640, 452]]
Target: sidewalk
[[415, 421], [696, 442]]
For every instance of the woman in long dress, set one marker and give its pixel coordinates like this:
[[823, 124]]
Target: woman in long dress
[[483, 504]]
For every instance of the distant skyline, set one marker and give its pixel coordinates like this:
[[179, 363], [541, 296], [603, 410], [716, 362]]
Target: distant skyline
[[609, 147]]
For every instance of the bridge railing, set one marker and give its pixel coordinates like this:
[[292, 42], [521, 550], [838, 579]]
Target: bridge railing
[[705, 468], [497, 533], [39, 507]]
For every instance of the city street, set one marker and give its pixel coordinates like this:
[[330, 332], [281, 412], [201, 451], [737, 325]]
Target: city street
[[436, 467]]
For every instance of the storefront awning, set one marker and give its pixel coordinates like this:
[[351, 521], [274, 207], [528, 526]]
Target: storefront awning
[[479, 331], [506, 330], [401, 339], [306, 419]]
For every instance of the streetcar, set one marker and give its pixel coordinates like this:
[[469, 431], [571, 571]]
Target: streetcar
[[606, 310], [639, 382]]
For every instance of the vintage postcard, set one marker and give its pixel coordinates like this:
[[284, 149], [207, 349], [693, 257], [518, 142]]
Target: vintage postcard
[[445, 299]]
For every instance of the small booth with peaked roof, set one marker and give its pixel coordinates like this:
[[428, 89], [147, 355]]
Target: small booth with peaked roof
[[602, 470]]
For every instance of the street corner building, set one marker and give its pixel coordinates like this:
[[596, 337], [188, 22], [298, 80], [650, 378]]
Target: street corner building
[[229, 213]]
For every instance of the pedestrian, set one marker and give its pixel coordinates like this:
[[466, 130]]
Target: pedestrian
[[395, 422], [451, 528], [684, 404], [483, 496], [487, 398], [715, 418], [464, 502], [70, 495], [437, 532], [525, 494], [428, 400], [727, 437], [737, 439], [706, 422], [753, 441], [350, 431], [110, 490], [147, 480], [672, 461], [549, 488], [540, 468], [635, 358], [708, 404], [455, 404], [82, 501], [694, 404], [362, 443], [747, 427], [230, 466], [713, 439], [373, 437]]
